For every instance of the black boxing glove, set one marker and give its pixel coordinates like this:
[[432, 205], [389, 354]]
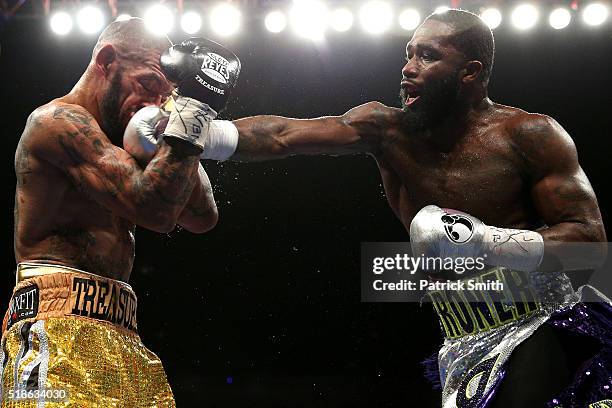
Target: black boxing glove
[[205, 73], [203, 70]]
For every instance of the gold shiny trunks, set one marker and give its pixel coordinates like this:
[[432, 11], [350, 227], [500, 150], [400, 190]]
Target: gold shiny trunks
[[69, 339]]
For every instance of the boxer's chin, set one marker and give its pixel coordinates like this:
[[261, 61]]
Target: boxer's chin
[[113, 128]]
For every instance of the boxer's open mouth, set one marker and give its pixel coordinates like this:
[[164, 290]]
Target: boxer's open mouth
[[410, 100], [412, 92]]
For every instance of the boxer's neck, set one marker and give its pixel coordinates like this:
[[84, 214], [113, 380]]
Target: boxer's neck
[[85, 93], [456, 125]]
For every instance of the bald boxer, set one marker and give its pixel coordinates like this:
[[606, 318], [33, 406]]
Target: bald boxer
[[69, 337], [449, 155]]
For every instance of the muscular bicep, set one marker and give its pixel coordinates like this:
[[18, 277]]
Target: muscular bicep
[[560, 189], [566, 197], [269, 137], [70, 139]]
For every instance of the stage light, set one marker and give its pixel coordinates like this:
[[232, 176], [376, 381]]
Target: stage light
[[595, 14], [525, 16], [123, 17], [159, 19], [409, 19], [275, 21], [492, 17], [376, 16], [90, 19], [309, 19], [191, 22], [559, 18], [341, 20], [225, 19], [61, 23]]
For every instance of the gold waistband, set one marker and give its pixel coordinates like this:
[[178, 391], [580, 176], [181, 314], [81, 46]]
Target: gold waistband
[[48, 290], [26, 270]]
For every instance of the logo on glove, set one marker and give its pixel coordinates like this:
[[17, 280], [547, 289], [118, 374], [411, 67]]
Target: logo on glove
[[215, 67], [458, 228]]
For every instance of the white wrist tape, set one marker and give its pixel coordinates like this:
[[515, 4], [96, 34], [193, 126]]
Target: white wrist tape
[[522, 250], [190, 120], [222, 140], [450, 233]]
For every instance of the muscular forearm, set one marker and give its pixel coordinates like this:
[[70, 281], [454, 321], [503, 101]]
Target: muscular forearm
[[575, 231], [162, 189], [200, 213], [275, 137], [359, 130], [260, 138], [574, 245]]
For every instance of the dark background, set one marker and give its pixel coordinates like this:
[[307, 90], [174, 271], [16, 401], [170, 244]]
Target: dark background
[[265, 310]]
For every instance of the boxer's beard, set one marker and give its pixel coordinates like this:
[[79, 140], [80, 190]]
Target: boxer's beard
[[436, 101], [110, 110]]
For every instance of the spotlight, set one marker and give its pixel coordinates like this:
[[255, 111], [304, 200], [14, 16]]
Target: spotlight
[[492, 17], [225, 19], [595, 14], [376, 16], [191, 22], [275, 21], [409, 19], [309, 19], [90, 19], [441, 9], [341, 20], [525, 16], [159, 19], [61, 23], [123, 17], [559, 18]]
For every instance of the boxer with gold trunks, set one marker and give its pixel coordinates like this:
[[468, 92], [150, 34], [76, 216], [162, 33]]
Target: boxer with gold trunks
[[72, 336], [69, 336]]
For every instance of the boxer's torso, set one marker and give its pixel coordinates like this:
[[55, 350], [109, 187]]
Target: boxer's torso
[[482, 172], [55, 222]]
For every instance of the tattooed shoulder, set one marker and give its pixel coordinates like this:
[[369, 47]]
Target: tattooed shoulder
[[73, 113], [541, 140]]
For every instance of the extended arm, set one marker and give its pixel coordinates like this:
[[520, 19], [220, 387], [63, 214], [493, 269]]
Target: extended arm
[[69, 137], [273, 137]]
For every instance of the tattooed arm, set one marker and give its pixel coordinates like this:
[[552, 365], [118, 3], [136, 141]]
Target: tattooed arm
[[560, 190], [200, 214], [68, 137], [275, 137]]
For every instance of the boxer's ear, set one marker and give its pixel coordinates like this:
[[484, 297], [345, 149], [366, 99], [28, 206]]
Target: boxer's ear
[[471, 72], [105, 57]]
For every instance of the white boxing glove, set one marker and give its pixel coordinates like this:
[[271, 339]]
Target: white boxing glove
[[143, 131], [149, 124], [449, 233]]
